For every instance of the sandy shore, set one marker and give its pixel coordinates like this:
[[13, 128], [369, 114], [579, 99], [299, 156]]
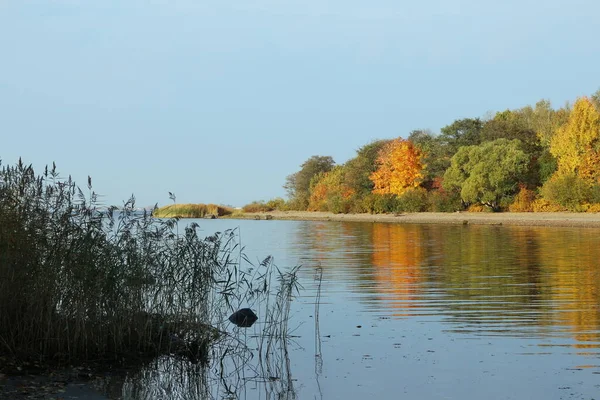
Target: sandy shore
[[590, 220]]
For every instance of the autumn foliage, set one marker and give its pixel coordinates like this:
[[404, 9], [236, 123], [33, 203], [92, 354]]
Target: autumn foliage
[[329, 192], [400, 167], [531, 159], [576, 144]]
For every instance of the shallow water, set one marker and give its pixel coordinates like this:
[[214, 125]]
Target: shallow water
[[418, 312], [438, 311]]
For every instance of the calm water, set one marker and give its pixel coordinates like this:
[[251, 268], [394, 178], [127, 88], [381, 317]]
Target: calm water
[[440, 312], [432, 311]]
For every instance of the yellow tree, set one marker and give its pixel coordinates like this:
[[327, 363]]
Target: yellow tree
[[399, 167], [328, 192], [577, 142]]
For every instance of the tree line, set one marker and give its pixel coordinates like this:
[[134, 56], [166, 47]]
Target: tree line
[[536, 158]]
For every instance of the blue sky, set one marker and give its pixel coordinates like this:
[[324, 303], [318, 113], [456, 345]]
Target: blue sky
[[218, 101]]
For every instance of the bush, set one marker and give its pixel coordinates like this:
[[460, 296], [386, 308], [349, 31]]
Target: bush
[[385, 203], [570, 192], [543, 205], [257, 206], [523, 201], [276, 204], [479, 208], [364, 204], [337, 204], [593, 208], [413, 200], [296, 205], [444, 201]]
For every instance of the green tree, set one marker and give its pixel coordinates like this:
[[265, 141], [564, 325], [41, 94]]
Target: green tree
[[436, 155], [462, 132], [358, 169], [488, 173], [297, 185], [513, 125]]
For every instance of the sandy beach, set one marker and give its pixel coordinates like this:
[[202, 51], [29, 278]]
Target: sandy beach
[[588, 220]]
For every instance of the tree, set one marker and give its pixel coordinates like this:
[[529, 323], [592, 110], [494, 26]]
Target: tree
[[462, 132], [510, 125], [399, 167], [570, 191], [329, 192], [595, 98], [487, 173], [577, 142], [359, 169], [436, 155], [298, 184], [544, 120], [513, 125]]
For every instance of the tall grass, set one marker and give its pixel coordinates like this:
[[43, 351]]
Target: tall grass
[[83, 282], [192, 211]]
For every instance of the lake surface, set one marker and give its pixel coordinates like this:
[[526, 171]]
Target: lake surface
[[438, 311], [428, 312]]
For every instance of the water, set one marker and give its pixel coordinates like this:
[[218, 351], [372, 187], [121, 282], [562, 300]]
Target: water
[[438, 311], [423, 312]]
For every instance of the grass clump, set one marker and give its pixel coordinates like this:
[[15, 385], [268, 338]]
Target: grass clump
[[83, 282], [192, 211]]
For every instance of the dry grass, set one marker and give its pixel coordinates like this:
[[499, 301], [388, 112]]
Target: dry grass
[[192, 211]]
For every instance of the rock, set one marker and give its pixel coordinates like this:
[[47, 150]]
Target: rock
[[243, 318]]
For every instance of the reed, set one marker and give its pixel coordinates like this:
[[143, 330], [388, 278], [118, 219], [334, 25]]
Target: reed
[[192, 211], [83, 282]]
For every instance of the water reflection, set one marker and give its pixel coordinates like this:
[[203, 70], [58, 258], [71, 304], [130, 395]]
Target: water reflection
[[411, 309], [482, 280]]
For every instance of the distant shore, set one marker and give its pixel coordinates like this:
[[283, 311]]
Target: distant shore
[[590, 220]]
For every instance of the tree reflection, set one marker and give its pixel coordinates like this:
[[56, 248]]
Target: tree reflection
[[398, 254], [483, 280]]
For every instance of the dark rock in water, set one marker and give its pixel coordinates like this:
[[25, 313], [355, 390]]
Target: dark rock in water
[[243, 318]]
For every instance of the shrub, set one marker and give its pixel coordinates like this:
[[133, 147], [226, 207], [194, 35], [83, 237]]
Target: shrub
[[478, 208], [543, 205], [523, 201], [593, 208], [444, 201], [570, 191], [257, 206], [413, 200], [276, 204], [385, 203], [364, 204], [337, 204]]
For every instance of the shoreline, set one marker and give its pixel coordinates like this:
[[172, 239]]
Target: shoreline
[[564, 219]]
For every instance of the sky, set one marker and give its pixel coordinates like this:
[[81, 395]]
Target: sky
[[218, 101]]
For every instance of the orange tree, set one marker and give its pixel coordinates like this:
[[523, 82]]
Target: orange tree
[[329, 192], [399, 167]]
